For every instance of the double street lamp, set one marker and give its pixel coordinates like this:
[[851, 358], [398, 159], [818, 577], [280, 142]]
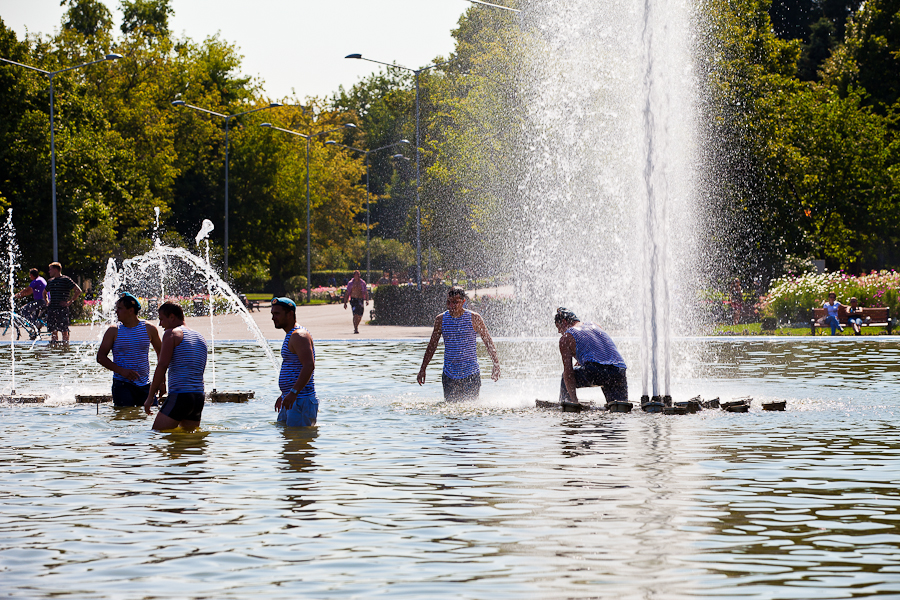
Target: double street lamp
[[228, 119], [418, 145], [50, 75], [366, 153], [308, 138]]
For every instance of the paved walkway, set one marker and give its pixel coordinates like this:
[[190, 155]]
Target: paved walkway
[[324, 321]]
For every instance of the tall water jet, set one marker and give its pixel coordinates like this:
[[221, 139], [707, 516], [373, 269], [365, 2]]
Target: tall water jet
[[608, 170], [203, 235]]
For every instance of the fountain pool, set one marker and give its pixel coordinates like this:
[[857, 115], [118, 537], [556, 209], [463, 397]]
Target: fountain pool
[[400, 494]]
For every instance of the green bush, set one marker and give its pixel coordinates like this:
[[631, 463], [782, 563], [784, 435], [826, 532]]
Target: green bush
[[295, 284], [406, 305], [793, 298]]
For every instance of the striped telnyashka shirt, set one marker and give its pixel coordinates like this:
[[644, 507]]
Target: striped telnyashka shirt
[[130, 351], [594, 345], [460, 360], [291, 367], [188, 364]]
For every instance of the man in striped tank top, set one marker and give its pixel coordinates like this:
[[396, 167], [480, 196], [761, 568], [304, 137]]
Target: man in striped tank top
[[599, 361], [297, 405], [130, 343], [183, 355], [458, 326]]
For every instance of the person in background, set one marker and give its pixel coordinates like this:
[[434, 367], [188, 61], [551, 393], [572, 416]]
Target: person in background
[[458, 326], [855, 316], [832, 311], [35, 289], [130, 343], [297, 405], [58, 294], [599, 361], [385, 278], [183, 355], [357, 292]]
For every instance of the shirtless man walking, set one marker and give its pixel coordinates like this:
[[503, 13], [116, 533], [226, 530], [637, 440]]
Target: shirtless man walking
[[458, 326], [183, 355], [357, 292]]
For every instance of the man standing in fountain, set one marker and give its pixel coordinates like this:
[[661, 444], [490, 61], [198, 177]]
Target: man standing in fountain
[[599, 361], [458, 326], [130, 343], [183, 355], [357, 292], [59, 293], [297, 405]]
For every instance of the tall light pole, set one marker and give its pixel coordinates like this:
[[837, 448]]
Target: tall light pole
[[308, 138], [50, 75], [418, 145], [366, 154], [228, 119]]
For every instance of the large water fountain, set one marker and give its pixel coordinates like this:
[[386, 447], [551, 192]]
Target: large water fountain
[[607, 196]]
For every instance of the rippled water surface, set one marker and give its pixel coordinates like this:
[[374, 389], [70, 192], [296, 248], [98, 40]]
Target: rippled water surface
[[397, 494]]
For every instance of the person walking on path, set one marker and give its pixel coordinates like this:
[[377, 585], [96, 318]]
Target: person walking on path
[[458, 326], [599, 361], [58, 294], [35, 289], [297, 405], [130, 343], [183, 355], [357, 292]]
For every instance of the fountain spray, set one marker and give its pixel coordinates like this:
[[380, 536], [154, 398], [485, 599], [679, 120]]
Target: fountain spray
[[203, 235], [12, 250]]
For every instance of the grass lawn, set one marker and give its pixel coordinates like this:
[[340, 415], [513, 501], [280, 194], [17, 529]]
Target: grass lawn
[[267, 297], [756, 329]]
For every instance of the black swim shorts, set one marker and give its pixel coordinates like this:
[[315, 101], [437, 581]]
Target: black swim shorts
[[125, 393], [356, 304], [466, 388], [184, 406], [58, 318]]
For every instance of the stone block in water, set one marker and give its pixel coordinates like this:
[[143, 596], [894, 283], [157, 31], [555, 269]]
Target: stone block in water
[[619, 407], [775, 405], [234, 396], [737, 405], [23, 398], [93, 398]]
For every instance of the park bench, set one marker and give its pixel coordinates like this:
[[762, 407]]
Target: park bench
[[879, 317], [248, 304]]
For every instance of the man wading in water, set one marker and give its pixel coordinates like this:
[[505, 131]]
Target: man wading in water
[[458, 326], [599, 362], [297, 405]]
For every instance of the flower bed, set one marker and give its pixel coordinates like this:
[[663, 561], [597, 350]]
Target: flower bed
[[792, 298]]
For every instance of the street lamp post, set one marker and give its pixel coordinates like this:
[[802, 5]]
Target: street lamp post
[[50, 75], [366, 154], [308, 138], [228, 119], [418, 145]]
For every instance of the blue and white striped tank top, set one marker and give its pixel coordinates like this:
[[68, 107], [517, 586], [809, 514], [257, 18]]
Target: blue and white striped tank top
[[188, 364], [460, 359], [291, 367], [594, 345], [130, 351]]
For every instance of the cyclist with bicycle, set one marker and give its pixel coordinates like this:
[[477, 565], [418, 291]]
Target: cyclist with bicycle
[[32, 310]]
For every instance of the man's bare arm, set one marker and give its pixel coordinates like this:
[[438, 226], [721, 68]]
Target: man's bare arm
[[300, 344], [432, 347], [567, 351], [481, 329]]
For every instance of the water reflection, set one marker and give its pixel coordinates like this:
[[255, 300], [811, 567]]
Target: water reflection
[[298, 458]]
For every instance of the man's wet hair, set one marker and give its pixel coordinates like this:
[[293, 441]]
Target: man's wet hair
[[457, 291], [564, 314], [34, 272], [171, 309], [56, 265]]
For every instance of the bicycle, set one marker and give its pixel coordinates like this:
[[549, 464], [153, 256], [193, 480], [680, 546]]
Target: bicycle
[[32, 327]]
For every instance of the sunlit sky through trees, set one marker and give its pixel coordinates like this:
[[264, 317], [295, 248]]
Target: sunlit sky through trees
[[292, 44]]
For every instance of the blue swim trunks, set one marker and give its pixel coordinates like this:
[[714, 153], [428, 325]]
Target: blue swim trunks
[[303, 413]]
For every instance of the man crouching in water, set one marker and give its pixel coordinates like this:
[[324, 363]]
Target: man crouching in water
[[297, 406], [599, 362], [183, 354]]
